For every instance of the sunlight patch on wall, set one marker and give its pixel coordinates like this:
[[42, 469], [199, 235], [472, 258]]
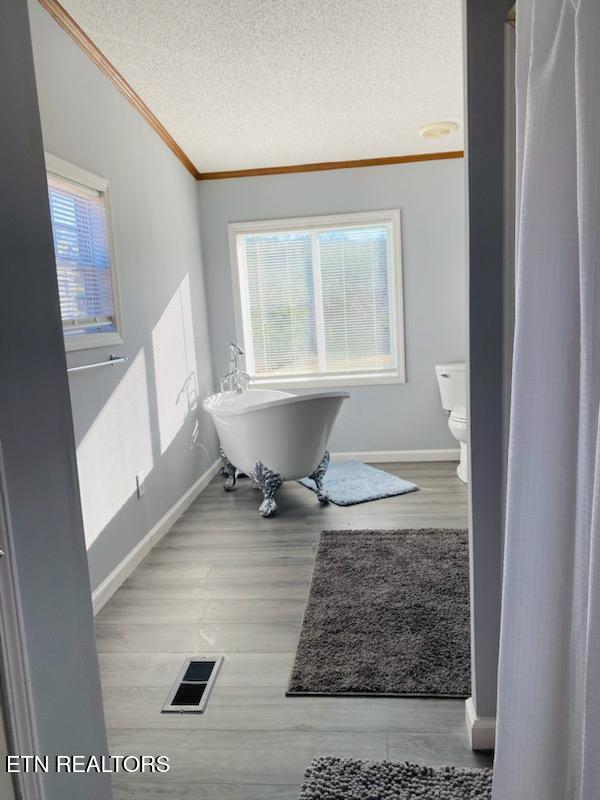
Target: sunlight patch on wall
[[116, 448], [175, 365]]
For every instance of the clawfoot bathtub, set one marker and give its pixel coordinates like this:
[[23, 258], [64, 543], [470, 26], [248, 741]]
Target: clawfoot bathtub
[[274, 437]]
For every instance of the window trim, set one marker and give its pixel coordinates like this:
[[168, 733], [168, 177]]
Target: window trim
[[390, 217], [88, 180]]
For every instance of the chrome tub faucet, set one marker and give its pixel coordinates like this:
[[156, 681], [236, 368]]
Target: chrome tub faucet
[[236, 379]]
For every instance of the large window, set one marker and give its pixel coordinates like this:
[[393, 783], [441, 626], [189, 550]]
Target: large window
[[80, 214], [319, 300]]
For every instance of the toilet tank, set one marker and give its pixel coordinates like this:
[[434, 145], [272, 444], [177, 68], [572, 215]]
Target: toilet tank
[[452, 383]]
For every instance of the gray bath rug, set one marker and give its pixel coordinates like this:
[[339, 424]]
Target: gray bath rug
[[387, 614], [350, 482], [350, 779]]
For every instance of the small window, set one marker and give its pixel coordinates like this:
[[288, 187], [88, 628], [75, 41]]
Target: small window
[[85, 263], [319, 300]]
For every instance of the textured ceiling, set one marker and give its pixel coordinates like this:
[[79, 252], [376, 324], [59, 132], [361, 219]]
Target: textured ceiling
[[256, 83]]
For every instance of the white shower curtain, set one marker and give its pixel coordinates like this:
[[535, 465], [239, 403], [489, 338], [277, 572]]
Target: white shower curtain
[[548, 734]]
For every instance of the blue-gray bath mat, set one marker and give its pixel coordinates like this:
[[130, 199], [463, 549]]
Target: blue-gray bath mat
[[350, 482]]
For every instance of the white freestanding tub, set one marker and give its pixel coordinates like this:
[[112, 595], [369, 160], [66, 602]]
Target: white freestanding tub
[[274, 436]]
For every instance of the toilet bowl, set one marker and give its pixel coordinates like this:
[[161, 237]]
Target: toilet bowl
[[452, 384], [457, 422]]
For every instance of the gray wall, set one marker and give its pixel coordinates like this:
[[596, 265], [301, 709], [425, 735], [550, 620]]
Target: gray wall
[[431, 198], [141, 417], [36, 434]]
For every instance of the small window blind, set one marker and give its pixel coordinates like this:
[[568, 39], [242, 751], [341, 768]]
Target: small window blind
[[83, 263], [318, 302]]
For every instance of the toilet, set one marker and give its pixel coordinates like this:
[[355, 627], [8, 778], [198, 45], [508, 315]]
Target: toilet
[[452, 383]]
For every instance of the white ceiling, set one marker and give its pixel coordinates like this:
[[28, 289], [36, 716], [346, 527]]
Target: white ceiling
[[257, 83]]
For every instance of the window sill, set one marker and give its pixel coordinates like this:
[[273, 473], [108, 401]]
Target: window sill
[[88, 341], [329, 382]]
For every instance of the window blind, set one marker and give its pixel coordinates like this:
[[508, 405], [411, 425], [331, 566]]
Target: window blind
[[79, 228], [356, 303], [281, 303], [317, 302]]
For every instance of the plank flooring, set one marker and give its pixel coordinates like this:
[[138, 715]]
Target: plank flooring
[[224, 580]]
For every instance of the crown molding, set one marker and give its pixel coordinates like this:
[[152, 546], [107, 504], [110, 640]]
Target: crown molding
[[68, 24], [326, 165]]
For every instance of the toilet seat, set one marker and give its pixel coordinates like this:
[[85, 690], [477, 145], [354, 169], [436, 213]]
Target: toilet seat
[[459, 414]]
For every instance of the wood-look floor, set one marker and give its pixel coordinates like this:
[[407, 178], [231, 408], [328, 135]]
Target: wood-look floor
[[224, 580]]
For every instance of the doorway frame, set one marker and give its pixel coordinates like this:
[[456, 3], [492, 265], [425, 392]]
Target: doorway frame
[[486, 162], [17, 699]]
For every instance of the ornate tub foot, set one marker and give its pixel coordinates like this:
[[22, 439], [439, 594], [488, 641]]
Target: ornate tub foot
[[268, 482], [228, 471], [318, 475]]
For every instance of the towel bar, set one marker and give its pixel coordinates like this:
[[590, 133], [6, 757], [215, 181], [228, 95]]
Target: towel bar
[[110, 362]]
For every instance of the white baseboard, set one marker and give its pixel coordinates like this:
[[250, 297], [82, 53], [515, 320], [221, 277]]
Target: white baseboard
[[387, 456], [122, 571], [481, 730]]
